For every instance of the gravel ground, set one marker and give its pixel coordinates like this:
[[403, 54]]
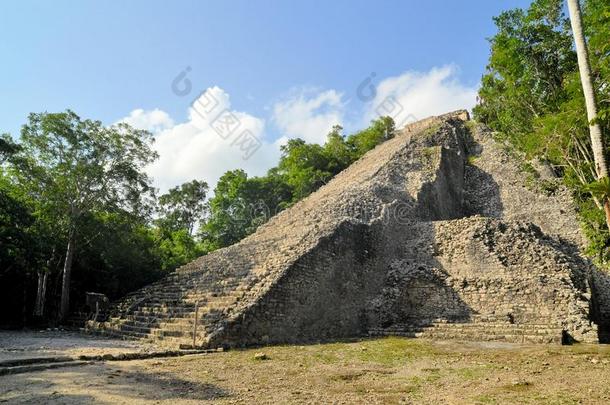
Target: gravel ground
[[387, 370], [50, 343]]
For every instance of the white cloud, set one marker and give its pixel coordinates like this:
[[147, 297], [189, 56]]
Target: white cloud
[[194, 150], [154, 120], [309, 115], [420, 94]]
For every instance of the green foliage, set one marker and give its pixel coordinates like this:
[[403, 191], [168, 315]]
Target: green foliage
[[181, 209], [16, 237], [306, 167], [7, 147], [597, 29], [73, 179], [177, 249], [183, 206], [531, 94], [241, 204], [530, 57], [82, 182], [599, 188], [117, 253], [380, 131]]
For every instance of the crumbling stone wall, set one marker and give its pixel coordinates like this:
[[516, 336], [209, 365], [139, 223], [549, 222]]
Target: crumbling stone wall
[[415, 293], [510, 269], [600, 310], [496, 186]]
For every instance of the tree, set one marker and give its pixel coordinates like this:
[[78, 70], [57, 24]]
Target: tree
[[241, 204], [183, 206], [177, 248], [118, 252], [380, 130], [181, 209], [531, 54], [305, 166], [340, 154], [73, 167], [23, 242], [532, 96], [597, 144], [7, 147]]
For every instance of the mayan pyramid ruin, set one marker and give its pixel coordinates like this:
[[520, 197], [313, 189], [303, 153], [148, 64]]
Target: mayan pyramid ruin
[[435, 233]]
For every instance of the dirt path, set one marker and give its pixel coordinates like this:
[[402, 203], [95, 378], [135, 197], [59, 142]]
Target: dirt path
[[48, 343], [391, 370]]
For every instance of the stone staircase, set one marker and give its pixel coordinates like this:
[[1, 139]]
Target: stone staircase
[[487, 330], [165, 311]]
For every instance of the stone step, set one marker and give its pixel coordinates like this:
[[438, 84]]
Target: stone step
[[477, 337], [168, 336], [28, 368], [165, 311], [518, 333], [161, 307], [191, 300], [469, 332], [544, 329], [148, 317], [153, 329], [474, 326], [186, 291]]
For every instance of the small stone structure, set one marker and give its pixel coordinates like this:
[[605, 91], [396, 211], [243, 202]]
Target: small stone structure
[[434, 233]]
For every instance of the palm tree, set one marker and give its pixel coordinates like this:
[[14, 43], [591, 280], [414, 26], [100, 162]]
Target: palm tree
[[597, 144]]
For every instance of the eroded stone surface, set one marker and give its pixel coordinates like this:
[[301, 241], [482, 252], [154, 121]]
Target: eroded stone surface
[[413, 238]]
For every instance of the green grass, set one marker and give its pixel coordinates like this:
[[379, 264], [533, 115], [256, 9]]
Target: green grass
[[469, 373], [392, 351], [389, 352], [485, 399], [433, 129], [471, 125]]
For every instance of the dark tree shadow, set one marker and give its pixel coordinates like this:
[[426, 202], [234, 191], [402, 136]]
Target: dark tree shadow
[[104, 380]]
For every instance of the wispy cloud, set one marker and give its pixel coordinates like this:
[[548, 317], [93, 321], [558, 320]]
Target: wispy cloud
[[154, 120], [194, 150], [422, 94], [309, 114]]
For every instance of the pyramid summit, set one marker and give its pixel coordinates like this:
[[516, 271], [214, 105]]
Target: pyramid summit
[[432, 233]]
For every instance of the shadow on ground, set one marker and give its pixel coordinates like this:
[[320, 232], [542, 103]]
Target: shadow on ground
[[103, 383]]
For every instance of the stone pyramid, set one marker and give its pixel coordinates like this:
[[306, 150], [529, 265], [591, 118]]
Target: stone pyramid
[[434, 233]]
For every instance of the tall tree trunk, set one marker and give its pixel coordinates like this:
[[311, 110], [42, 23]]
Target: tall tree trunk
[[24, 308], [65, 285], [597, 144], [41, 293]]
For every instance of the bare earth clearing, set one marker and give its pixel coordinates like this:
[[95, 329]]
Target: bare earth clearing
[[387, 370], [48, 343]]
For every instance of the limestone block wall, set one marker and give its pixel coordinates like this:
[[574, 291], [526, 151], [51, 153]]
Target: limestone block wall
[[323, 295]]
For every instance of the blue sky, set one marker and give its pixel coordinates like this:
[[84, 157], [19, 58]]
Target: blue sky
[[289, 66]]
